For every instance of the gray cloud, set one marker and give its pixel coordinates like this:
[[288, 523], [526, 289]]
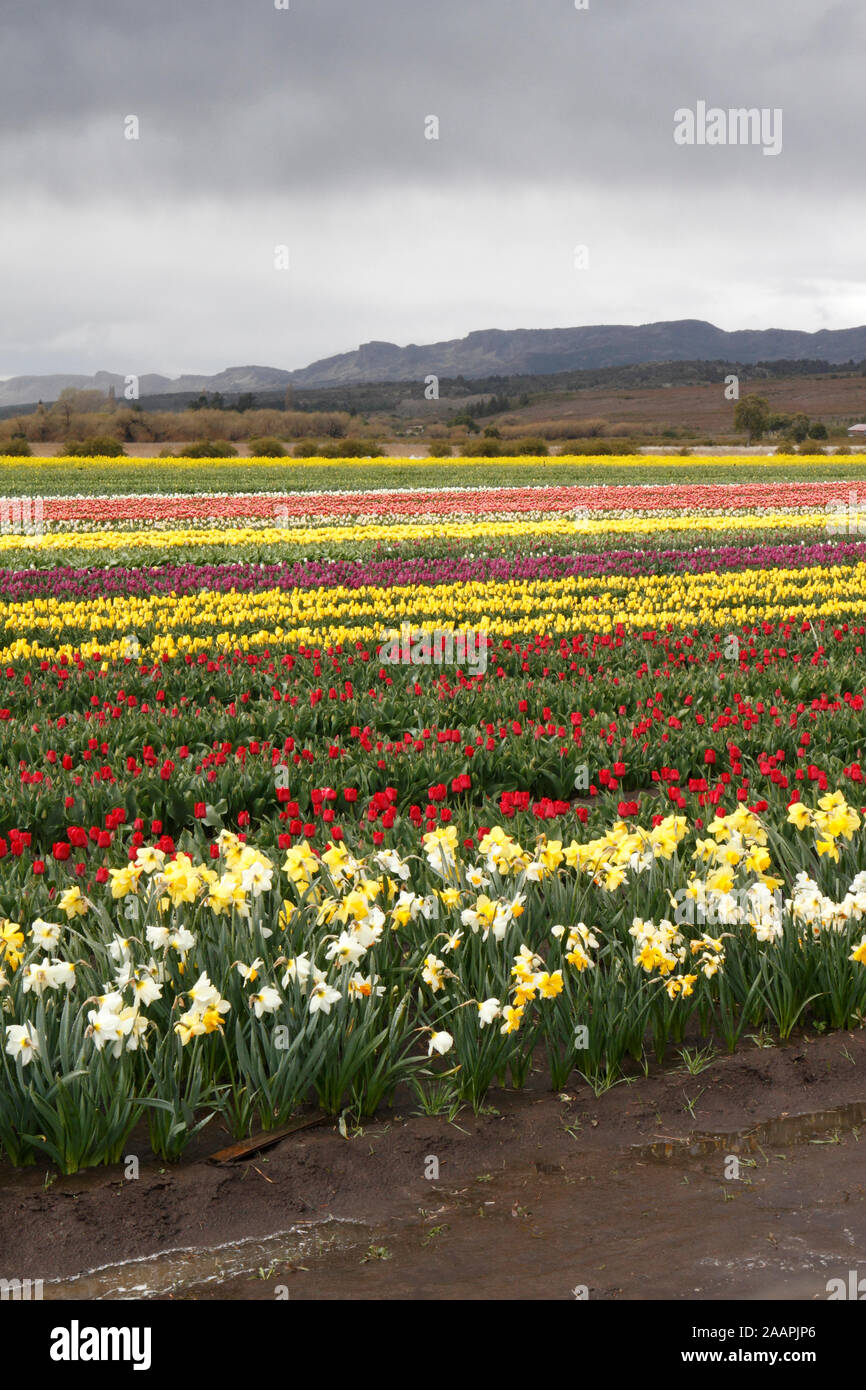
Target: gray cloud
[[261, 126]]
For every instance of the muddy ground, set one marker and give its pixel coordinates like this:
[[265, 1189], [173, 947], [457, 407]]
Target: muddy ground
[[629, 1195]]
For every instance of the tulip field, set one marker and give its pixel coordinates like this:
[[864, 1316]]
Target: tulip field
[[318, 795]]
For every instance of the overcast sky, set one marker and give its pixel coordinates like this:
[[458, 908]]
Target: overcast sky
[[305, 127]]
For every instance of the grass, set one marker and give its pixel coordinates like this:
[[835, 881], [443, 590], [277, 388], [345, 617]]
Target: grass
[[64, 476], [694, 1062]]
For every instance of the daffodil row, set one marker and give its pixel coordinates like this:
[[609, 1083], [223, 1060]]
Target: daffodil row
[[222, 982], [396, 532]]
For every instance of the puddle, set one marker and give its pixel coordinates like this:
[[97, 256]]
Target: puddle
[[530, 1224], [530, 1234], [184, 1272], [785, 1129]]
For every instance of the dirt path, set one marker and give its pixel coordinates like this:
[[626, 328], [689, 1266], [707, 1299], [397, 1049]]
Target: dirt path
[[627, 1196]]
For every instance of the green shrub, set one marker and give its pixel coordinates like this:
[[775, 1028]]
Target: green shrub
[[208, 449], [95, 446], [526, 446], [265, 446], [16, 447], [439, 450], [352, 449], [481, 449]]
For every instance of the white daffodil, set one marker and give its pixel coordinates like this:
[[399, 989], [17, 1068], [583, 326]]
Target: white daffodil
[[149, 859], [368, 935], [249, 973], [120, 950], [110, 1027], [36, 979], [389, 860], [365, 986], [439, 1043], [61, 973], [297, 969], [346, 950], [322, 996], [145, 989], [488, 1010], [203, 995], [267, 1001], [180, 941], [257, 878], [45, 934], [475, 876], [432, 973], [140, 1025], [22, 1041]]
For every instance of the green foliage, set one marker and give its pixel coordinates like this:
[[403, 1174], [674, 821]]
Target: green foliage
[[352, 449], [752, 416], [534, 448], [482, 448], [266, 446], [208, 449], [95, 446], [17, 447]]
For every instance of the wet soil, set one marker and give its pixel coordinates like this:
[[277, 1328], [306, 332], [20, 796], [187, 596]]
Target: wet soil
[[747, 1180]]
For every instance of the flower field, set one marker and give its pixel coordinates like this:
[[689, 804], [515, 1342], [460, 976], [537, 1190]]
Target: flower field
[[270, 836]]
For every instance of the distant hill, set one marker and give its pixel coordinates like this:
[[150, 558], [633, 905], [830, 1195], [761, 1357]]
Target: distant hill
[[24, 390], [535, 351], [487, 353]]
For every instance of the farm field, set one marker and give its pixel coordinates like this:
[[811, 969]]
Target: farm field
[[63, 476], [440, 790]]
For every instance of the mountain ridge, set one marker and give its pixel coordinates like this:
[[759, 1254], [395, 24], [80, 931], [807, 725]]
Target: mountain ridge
[[483, 352]]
